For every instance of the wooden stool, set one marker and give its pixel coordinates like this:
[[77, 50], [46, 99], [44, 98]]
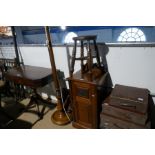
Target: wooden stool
[[88, 41]]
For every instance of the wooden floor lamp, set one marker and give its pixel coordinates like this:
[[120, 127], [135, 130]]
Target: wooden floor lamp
[[15, 45], [59, 116]]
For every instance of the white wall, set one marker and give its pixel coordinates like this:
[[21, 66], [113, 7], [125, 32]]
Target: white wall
[[35, 56], [132, 66], [39, 56]]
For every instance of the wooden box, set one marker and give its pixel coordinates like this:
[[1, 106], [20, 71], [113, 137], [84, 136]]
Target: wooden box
[[130, 98], [110, 122], [125, 115]]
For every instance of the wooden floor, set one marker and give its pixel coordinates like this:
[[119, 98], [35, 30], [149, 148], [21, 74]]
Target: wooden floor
[[29, 119]]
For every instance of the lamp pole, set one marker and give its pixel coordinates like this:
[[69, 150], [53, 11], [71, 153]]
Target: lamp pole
[[15, 45], [59, 116]]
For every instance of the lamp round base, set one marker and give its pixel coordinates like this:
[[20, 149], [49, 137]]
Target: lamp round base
[[60, 118]]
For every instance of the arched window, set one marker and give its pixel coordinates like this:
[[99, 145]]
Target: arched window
[[132, 35], [69, 37]]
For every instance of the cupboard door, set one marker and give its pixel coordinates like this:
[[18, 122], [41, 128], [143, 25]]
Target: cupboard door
[[84, 104]]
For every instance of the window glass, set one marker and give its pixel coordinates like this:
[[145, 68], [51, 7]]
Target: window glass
[[69, 37], [132, 35]]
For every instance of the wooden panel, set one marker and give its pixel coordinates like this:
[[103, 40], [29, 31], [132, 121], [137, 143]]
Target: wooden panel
[[130, 98], [29, 75], [124, 114], [109, 122], [83, 92], [84, 114], [84, 105]]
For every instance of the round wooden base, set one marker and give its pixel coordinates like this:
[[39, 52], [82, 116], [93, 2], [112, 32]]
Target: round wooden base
[[59, 117]]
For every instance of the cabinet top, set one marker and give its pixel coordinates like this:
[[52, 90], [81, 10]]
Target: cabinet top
[[97, 78]]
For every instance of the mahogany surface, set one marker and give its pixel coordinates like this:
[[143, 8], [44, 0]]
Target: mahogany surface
[[130, 98], [29, 76]]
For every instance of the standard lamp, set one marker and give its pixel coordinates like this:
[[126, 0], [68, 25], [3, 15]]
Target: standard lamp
[[15, 45], [59, 116]]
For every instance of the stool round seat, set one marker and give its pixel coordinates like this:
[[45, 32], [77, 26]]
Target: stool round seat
[[91, 37]]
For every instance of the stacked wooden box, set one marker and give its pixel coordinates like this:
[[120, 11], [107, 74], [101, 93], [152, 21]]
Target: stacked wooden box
[[125, 108]]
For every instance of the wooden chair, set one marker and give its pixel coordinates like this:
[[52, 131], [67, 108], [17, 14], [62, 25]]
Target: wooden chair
[[12, 89], [2, 81], [5, 64], [3, 89], [2, 85]]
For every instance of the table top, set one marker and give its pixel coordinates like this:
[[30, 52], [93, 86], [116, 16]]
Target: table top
[[29, 76]]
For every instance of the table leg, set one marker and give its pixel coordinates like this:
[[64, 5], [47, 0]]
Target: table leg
[[34, 101]]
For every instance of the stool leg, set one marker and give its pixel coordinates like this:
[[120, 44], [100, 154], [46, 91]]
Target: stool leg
[[97, 54], [73, 59], [2, 110], [89, 58], [0, 101], [90, 62], [82, 56]]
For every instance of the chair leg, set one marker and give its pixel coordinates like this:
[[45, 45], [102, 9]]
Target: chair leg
[[2, 110], [0, 101]]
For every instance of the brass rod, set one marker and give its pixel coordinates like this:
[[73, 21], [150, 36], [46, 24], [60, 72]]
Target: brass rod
[[54, 71]]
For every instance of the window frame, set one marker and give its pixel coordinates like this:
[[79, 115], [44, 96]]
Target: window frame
[[67, 35], [130, 36]]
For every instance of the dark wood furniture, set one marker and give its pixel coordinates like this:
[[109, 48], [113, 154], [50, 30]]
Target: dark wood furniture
[[130, 98], [2, 78], [3, 89], [88, 86], [9, 63], [88, 51], [126, 107], [87, 97], [31, 76]]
